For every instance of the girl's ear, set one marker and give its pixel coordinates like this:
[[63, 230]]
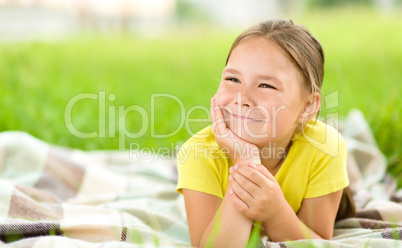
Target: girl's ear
[[311, 106]]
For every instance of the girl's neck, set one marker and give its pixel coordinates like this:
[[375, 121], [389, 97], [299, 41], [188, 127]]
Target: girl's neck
[[273, 155]]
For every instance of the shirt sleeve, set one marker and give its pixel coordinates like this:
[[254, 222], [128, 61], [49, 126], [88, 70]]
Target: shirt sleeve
[[198, 169], [329, 173]]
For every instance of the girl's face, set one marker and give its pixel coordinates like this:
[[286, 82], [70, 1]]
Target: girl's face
[[261, 93]]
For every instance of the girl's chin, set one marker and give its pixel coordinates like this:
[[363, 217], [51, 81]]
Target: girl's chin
[[251, 135]]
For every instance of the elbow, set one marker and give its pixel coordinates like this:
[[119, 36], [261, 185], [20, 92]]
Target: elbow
[[326, 235]]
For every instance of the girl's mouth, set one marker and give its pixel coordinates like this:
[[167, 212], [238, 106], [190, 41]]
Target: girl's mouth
[[245, 118]]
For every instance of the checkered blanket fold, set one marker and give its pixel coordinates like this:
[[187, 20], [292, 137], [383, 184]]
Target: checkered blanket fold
[[58, 197]]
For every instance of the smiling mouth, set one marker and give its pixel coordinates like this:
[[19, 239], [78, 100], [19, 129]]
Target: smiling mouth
[[246, 118]]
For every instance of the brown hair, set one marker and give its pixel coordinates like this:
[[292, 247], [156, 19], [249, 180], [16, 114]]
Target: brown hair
[[305, 51], [347, 206]]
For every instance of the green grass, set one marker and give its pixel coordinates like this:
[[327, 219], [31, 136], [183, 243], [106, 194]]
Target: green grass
[[38, 79], [363, 61]]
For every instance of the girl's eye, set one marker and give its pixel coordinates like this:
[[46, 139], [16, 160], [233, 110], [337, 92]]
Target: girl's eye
[[234, 80], [267, 86]]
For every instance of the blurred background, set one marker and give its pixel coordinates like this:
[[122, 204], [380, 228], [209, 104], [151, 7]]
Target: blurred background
[[94, 66]]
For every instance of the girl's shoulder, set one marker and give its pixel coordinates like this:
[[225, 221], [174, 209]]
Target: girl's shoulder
[[320, 136], [203, 146], [204, 137]]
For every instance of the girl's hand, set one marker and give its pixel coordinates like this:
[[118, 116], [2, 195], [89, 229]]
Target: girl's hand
[[255, 192], [236, 148]]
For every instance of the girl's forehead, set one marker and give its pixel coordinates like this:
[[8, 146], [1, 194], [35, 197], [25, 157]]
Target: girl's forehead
[[264, 47], [261, 57], [252, 43], [262, 53]]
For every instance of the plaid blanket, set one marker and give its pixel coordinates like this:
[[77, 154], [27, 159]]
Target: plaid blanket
[[58, 197], [378, 221]]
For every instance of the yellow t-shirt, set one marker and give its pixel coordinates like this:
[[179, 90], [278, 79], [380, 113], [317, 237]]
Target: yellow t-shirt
[[314, 166]]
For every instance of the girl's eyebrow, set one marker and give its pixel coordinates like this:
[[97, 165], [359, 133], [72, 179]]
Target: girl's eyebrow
[[269, 78], [231, 70]]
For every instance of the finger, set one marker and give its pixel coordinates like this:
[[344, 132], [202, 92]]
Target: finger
[[263, 170], [240, 205], [214, 118], [211, 110], [248, 185], [251, 174], [218, 123], [242, 193]]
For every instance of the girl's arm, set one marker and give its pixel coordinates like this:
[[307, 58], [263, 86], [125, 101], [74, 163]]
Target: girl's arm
[[258, 196], [319, 213], [315, 220], [214, 222], [200, 208]]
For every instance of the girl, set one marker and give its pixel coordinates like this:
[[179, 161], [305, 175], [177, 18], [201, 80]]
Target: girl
[[265, 158]]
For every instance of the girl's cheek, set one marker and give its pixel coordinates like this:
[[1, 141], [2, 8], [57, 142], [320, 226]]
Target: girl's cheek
[[224, 95]]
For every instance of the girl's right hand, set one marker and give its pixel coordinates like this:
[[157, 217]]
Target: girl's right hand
[[239, 150]]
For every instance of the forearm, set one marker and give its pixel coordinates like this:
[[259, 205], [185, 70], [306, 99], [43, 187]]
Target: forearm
[[287, 226], [229, 228]]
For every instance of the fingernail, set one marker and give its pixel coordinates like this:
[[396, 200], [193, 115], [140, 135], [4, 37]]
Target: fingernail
[[231, 191], [231, 169], [236, 166], [230, 178]]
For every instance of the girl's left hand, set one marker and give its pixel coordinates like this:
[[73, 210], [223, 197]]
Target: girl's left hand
[[255, 192]]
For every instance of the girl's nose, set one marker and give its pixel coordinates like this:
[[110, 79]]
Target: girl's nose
[[242, 100]]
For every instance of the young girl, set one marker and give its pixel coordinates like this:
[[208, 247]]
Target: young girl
[[265, 157]]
